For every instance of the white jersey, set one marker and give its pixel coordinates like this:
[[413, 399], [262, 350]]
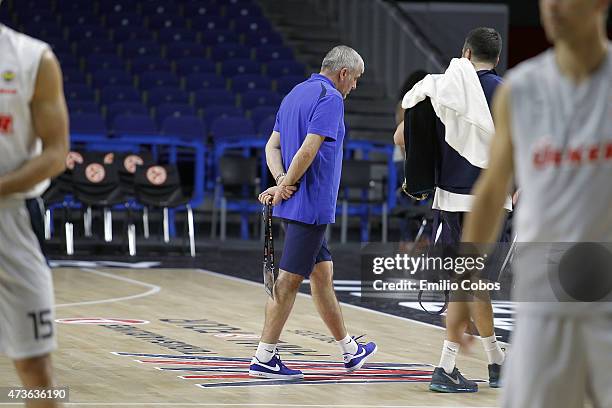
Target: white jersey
[[562, 138], [20, 57]]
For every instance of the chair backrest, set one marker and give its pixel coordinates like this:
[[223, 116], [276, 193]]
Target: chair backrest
[[356, 174], [94, 180], [134, 125], [240, 66], [152, 79], [119, 93], [159, 185], [196, 81], [235, 171], [188, 127], [124, 108], [232, 128], [166, 110], [195, 65], [221, 111], [166, 94], [252, 99], [87, 123], [250, 82], [205, 98], [110, 77]]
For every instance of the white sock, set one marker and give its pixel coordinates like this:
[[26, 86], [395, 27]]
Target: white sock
[[449, 354], [493, 350], [265, 352], [348, 345]]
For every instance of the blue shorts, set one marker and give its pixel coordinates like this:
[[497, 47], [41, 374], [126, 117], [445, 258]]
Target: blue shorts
[[305, 246]]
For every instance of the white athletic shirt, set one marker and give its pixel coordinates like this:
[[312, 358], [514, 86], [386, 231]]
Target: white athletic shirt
[[20, 57], [562, 140]]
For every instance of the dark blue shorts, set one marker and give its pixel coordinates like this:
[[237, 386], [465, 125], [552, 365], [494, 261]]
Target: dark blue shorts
[[305, 246]]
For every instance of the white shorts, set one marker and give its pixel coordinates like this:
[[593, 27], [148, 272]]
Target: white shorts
[[559, 361], [27, 317]]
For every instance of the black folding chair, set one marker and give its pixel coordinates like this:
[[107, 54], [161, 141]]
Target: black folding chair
[[236, 189], [159, 186], [96, 185], [357, 175]]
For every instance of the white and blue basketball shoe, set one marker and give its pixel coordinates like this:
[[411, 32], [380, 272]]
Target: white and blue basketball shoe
[[355, 361], [273, 369]]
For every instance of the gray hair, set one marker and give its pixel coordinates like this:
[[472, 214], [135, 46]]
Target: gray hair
[[342, 56]]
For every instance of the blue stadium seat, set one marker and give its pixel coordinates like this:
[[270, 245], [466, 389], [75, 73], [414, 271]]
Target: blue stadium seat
[[59, 45], [88, 123], [266, 126], [240, 66], [79, 18], [149, 63], [221, 111], [43, 30], [29, 5], [210, 97], [173, 109], [158, 7], [194, 65], [267, 53], [137, 48], [79, 92], [123, 20], [281, 68], [285, 84], [67, 60], [159, 21], [108, 77], [249, 82], [252, 25], [77, 107], [209, 23], [96, 62], [72, 6], [263, 38], [232, 128], [73, 76], [134, 125], [117, 6], [243, 10], [223, 52], [119, 93], [152, 79], [130, 33], [204, 81], [260, 113], [163, 94], [252, 99], [202, 8], [95, 46], [219, 37], [171, 36], [185, 50], [124, 108], [187, 127], [86, 32]]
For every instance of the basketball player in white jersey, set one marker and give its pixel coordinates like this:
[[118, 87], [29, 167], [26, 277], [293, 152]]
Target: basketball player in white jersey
[[553, 121], [33, 148]]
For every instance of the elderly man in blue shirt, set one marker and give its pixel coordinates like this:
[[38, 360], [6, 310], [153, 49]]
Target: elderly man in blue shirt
[[306, 148]]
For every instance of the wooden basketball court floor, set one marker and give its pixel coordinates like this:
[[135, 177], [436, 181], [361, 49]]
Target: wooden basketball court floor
[[198, 331]]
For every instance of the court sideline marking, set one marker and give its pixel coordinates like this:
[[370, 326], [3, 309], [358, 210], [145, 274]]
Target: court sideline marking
[[204, 404], [153, 289]]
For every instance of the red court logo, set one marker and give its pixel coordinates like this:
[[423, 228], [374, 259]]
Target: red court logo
[[219, 372], [101, 321]]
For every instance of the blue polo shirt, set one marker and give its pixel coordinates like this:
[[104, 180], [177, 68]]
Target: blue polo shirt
[[313, 106]]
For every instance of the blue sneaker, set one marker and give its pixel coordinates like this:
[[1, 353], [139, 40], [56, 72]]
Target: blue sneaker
[[441, 381], [355, 361], [273, 369]]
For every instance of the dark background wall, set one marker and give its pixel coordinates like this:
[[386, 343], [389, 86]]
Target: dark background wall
[[525, 36]]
